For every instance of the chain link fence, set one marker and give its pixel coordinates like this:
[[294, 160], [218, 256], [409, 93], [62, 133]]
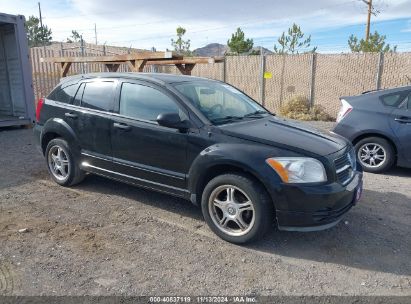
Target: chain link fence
[[321, 78]]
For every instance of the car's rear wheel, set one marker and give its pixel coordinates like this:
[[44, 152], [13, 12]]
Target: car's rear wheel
[[61, 164], [237, 208], [375, 154]]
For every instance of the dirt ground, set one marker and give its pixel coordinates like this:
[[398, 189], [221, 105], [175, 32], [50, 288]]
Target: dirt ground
[[104, 238]]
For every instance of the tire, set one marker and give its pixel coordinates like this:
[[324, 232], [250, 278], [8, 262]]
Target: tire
[[255, 219], [69, 172], [383, 155]]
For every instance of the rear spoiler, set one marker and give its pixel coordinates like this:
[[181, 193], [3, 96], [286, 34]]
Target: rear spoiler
[[365, 92], [371, 91]]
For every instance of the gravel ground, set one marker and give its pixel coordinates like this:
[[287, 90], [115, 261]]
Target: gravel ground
[[104, 238]]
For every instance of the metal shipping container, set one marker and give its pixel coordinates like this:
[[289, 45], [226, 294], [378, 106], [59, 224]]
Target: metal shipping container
[[16, 83]]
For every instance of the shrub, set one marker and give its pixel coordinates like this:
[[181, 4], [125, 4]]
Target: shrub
[[298, 107]]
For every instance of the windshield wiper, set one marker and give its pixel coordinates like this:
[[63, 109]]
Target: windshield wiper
[[256, 114], [226, 119]]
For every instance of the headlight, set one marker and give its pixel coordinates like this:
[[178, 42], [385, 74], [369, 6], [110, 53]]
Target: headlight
[[298, 169]]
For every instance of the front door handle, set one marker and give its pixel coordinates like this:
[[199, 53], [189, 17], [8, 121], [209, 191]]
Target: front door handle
[[71, 115], [121, 126], [403, 119]]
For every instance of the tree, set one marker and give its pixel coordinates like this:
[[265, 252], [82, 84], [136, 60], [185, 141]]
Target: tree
[[75, 37], [293, 42], [238, 44], [180, 45], [37, 35], [375, 43]]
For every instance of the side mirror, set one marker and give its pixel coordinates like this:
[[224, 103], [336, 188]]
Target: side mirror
[[172, 120]]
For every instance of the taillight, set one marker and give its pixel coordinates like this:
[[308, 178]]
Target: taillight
[[40, 104], [345, 109]]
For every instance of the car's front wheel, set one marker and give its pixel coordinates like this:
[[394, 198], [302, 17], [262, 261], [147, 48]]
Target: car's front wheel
[[375, 154], [61, 163], [237, 208]]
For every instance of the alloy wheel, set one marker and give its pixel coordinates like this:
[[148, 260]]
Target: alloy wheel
[[58, 162], [372, 155], [231, 210]]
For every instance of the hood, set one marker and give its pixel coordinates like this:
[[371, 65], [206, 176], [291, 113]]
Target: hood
[[286, 133]]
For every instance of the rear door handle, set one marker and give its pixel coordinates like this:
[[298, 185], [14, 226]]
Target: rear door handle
[[403, 119], [71, 115], [121, 126]]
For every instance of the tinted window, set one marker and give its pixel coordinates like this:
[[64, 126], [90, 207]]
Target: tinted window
[[64, 95], [142, 102], [79, 94], [98, 95], [406, 104], [392, 100]]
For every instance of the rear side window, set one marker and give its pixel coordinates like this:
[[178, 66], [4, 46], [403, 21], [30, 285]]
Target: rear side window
[[64, 95], [143, 102], [98, 95], [393, 100]]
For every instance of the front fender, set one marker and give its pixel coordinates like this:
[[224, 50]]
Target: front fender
[[248, 157]]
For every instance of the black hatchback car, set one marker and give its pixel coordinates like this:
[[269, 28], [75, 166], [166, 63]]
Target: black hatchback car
[[204, 141], [378, 123]]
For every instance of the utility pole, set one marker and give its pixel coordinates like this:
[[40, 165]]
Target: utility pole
[[373, 11], [95, 32], [41, 19], [367, 31], [42, 30]]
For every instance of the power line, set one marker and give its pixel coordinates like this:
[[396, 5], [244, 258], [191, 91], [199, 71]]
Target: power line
[[167, 19], [194, 32], [164, 20]]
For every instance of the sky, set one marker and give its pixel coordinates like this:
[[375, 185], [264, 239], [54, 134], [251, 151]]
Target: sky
[[152, 23]]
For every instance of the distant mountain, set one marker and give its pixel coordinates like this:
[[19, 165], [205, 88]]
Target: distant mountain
[[211, 50], [217, 49], [265, 51]]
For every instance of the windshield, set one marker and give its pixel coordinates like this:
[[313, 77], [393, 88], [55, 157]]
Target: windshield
[[220, 102]]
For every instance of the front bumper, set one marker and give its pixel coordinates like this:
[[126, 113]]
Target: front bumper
[[319, 207]]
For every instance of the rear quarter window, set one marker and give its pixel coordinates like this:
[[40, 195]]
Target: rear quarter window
[[64, 94], [406, 104], [393, 100]]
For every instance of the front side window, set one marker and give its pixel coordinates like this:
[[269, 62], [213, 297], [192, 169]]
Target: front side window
[[145, 103], [98, 95], [64, 95], [220, 102]]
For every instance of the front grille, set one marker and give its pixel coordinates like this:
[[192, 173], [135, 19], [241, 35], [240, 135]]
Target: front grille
[[345, 167]]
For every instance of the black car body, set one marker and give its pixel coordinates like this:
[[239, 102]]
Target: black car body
[[378, 123], [184, 152]]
